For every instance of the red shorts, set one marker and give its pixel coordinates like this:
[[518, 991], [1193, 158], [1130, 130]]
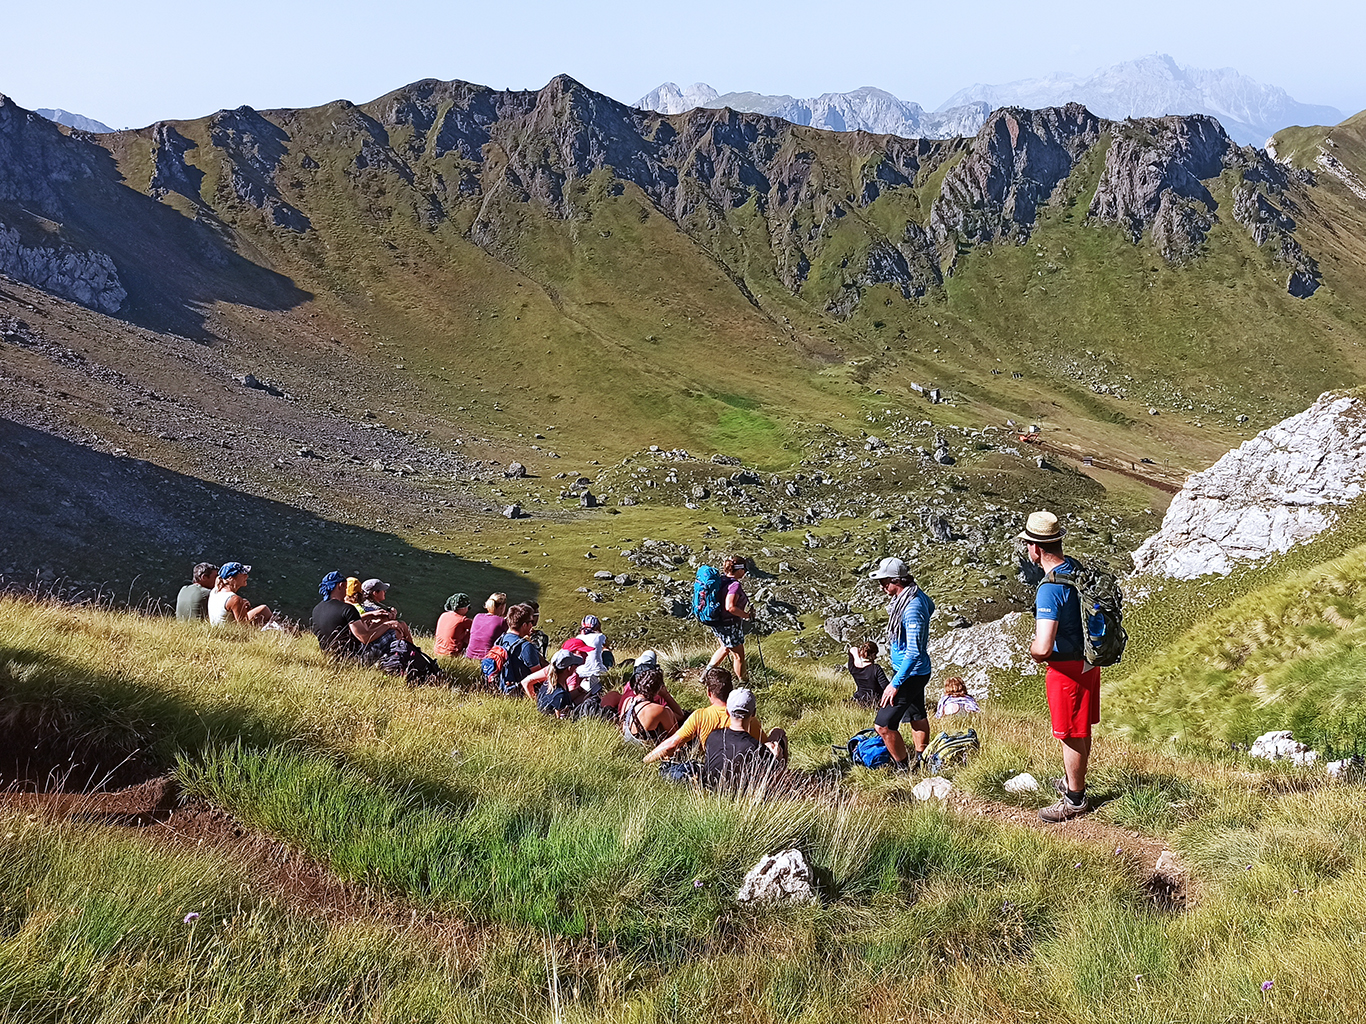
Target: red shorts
[[1073, 698]]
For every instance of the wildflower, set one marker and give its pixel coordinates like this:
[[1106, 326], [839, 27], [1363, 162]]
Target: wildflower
[[191, 917], [1118, 850], [1077, 866], [697, 883], [1266, 985]]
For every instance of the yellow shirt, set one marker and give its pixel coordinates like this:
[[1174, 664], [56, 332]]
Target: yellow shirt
[[700, 724]]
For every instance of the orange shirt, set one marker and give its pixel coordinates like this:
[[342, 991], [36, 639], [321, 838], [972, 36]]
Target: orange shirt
[[700, 724]]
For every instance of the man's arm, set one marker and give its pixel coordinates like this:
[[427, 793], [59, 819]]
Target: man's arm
[[1045, 633], [372, 625]]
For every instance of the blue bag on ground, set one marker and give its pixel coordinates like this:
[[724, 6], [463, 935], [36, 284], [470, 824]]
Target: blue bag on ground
[[866, 748]]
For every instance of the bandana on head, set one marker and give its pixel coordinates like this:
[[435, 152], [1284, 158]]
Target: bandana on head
[[457, 601], [330, 583]]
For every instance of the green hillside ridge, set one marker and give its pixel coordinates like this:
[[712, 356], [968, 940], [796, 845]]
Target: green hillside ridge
[[488, 861]]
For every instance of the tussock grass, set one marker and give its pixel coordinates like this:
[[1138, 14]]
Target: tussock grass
[[558, 879]]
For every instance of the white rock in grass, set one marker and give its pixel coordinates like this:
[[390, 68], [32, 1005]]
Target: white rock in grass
[[1022, 783], [1281, 745], [1348, 769], [932, 789], [779, 878]]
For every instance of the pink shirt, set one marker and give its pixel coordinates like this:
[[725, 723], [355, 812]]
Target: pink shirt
[[484, 630]]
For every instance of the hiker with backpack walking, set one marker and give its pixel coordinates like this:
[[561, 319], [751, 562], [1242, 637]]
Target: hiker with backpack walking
[[1072, 645], [720, 603], [908, 639]]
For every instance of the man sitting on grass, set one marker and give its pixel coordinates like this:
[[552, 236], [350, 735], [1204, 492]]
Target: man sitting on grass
[[192, 602], [343, 632], [734, 758]]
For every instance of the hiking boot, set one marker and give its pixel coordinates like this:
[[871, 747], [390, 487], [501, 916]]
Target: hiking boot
[[1064, 810]]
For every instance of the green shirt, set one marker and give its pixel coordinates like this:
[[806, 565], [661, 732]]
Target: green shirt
[[192, 603]]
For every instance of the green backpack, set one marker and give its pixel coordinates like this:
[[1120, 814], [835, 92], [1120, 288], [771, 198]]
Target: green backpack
[[1102, 613], [951, 748]]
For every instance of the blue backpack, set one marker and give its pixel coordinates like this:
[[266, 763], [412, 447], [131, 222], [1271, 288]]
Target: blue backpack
[[709, 595], [866, 748], [501, 666]]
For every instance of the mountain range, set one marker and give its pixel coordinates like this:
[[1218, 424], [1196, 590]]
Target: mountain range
[[1151, 86], [78, 121]]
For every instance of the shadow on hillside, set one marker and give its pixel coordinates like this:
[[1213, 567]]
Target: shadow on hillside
[[81, 524], [174, 267]]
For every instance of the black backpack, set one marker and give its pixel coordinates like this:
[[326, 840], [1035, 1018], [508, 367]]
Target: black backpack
[[1102, 612]]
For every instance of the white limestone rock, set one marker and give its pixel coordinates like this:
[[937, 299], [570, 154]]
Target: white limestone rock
[[935, 788], [1022, 783], [973, 653], [779, 878], [1279, 489], [1281, 745]]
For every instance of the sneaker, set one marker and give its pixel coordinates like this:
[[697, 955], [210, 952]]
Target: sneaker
[[1064, 810]]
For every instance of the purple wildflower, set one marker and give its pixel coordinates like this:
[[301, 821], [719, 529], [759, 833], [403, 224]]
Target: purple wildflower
[[697, 883], [1266, 985], [192, 917]]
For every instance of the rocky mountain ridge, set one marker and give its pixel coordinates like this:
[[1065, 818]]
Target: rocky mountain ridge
[[451, 151], [1156, 85], [862, 110]]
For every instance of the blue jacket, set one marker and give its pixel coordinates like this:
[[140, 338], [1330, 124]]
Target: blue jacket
[[913, 657]]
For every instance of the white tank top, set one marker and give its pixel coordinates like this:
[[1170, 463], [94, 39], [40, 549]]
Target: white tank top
[[218, 607]]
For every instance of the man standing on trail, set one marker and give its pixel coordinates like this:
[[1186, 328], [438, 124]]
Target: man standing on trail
[[908, 639], [1072, 686], [730, 630]]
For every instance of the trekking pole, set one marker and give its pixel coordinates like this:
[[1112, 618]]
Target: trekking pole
[[759, 643]]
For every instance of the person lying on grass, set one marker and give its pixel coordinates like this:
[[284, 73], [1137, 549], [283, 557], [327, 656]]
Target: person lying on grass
[[645, 719], [734, 758], [343, 632], [701, 723]]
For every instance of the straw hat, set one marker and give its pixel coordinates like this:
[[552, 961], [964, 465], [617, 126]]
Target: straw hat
[[1042, 528]]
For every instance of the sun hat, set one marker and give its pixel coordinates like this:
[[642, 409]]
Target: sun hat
[[563, 659], [1042, 528], [647, 659], [330, 583], [590, 624], [231, 569], [740, 703], [890, 569], [371, 585], [457, 601]]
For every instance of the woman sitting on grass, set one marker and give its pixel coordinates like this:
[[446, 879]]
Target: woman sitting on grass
[[557, 691], [487, 626], [956, 699], [645, 719]]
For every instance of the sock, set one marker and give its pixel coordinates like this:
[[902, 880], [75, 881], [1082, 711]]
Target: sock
[[1076, 798]]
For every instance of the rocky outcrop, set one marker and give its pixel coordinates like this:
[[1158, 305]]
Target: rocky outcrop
[[252, 150], [171, 172], [89, 278], [979, 653], [1011, 169], [1279, 489], [1154, 179]]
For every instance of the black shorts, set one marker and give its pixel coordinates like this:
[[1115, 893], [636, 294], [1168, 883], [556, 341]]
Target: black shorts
[[909, 702]]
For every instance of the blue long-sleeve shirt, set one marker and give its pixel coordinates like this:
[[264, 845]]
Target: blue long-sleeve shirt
[[913, 657]]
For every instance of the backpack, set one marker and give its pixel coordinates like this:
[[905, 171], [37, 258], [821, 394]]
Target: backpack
[[866, 748], [495, 664], [1102, 613], [950, 748], [709, 595], [404, 659]]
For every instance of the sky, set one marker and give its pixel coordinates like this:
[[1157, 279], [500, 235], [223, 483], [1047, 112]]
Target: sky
[[129, 64]]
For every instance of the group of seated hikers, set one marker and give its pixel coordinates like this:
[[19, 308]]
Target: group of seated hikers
[[722, 744]]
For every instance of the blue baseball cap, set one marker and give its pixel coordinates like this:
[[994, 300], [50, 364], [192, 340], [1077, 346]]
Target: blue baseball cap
[[330, 583], [231, 569]]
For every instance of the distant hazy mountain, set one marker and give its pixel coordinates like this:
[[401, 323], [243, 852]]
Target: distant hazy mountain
[[1150, 86], [866, 109], [66, 117]]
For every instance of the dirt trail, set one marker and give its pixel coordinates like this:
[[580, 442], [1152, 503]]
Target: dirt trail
[[309, 885]]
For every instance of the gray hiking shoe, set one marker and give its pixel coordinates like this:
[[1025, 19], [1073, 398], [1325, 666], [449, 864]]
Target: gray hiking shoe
[[1064, 810]]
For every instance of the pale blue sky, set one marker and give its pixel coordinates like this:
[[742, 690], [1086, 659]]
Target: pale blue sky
[[129, 64]]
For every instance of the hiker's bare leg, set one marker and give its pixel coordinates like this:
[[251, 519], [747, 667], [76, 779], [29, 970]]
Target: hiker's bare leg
[[920, 729], [737, 658], [1076, 751], [259, 616], [719, 656], [896, 746]]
